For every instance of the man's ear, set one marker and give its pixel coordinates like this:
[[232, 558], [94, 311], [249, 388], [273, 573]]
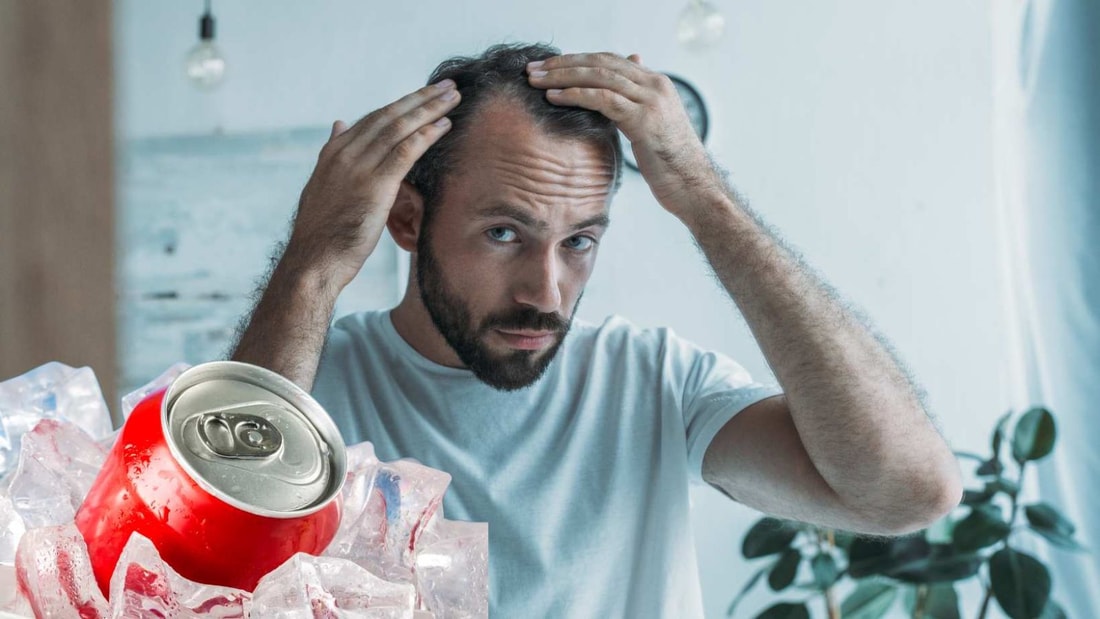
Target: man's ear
[[405, 216]]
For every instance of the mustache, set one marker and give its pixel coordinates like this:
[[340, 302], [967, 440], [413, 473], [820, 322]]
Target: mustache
[[527, 319]]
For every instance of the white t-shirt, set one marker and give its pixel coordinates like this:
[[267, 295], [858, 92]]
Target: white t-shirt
[[582, 477]]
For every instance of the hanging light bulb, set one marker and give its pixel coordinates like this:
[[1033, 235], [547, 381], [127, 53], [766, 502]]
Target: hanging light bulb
[[701, 26], [205, 64]]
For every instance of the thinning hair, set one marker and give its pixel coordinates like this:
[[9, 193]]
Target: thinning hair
[[500, 72]]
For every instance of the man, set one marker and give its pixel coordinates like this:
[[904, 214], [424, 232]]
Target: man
[[576, 442]]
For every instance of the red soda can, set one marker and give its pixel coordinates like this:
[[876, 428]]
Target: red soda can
[[229, 471]]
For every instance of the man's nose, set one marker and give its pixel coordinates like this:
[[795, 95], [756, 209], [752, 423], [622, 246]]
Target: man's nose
[[538, 286]]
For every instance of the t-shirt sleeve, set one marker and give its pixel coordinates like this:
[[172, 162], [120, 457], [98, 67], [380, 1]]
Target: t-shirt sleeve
[[714, 388], [331, 385]]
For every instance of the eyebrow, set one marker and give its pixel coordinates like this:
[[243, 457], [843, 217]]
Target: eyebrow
[[523, 217]]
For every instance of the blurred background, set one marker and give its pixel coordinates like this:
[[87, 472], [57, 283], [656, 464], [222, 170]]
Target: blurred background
[[936, 162]]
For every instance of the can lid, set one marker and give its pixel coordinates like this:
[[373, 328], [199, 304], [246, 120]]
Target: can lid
[[254, 439]]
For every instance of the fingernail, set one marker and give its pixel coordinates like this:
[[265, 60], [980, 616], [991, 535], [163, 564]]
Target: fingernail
[[534, 64], [554, 91], [450, 96], [443, 122], [538, 73], [445, 84]]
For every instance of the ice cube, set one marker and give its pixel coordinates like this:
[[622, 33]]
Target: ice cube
[[11, 528], [50, 391], [57, 467], [108, 442], [452, 569], [143, 585], [360, 457], [440, 529], [53, 569], [397, 500], [320, 586], [130, 400], [12, 600], [393, 612], [357, 488]]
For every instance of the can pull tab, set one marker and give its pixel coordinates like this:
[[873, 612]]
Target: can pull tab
[[239, 435]]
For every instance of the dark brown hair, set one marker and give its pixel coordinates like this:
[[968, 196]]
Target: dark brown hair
[[501, 71]]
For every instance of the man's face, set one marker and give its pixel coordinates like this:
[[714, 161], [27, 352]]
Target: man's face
[[504, 260]]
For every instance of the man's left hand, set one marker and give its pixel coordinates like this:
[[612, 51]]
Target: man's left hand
[[647, 109]]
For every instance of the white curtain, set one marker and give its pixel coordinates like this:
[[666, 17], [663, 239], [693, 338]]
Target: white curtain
[[1047, 141]]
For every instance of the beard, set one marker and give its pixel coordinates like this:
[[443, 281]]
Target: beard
[[452, 317]]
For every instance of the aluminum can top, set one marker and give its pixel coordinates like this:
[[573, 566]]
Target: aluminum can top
[[254, 439]]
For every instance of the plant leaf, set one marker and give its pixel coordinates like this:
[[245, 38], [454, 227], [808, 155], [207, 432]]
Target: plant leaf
[[870, 600], [785, 610], [1047, 521], [944, 563], [782, 575], [1052, 611], [911, 559], [868, 557], [992, 487], [990, 468], [1046, 516], [941, 531], [942, 601], [1005, 485], [977, 497], [983, 527], [999, 435], [752, 582], [825, 570], [769, 536], [1061, 540], [1021, 584], [1034, 436], [843, 539]]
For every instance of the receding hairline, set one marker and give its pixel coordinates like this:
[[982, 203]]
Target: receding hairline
[[502, 97]]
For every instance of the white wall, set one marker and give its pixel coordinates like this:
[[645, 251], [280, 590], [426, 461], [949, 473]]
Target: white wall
[[859, 128]]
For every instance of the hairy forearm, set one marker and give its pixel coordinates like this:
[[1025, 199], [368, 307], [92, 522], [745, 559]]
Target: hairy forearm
[[860, 418], [286, 331]]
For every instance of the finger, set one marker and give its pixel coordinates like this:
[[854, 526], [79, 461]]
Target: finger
[[617, 63], [367, 126], [607, 102], [374, 145], [400, 159], [338, 127], [589, 77]]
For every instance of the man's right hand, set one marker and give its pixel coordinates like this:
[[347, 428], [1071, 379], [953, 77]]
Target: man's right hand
[[346, 202]]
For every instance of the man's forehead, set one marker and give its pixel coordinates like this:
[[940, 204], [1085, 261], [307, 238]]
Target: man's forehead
[[502, 128], [499, 116], [531, 219], [508, 166]]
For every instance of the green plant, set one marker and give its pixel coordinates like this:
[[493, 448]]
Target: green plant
[[922, 568]]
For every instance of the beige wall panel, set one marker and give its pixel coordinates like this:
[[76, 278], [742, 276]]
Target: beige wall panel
[[56, 187]]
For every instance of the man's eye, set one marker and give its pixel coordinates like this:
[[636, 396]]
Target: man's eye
[[503, 235], [580, 243]]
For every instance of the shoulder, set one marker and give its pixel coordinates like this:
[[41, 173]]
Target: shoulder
[[612, 329], [661, 348], [620, 338], [351, 344], [358, 325], [351, 335]]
